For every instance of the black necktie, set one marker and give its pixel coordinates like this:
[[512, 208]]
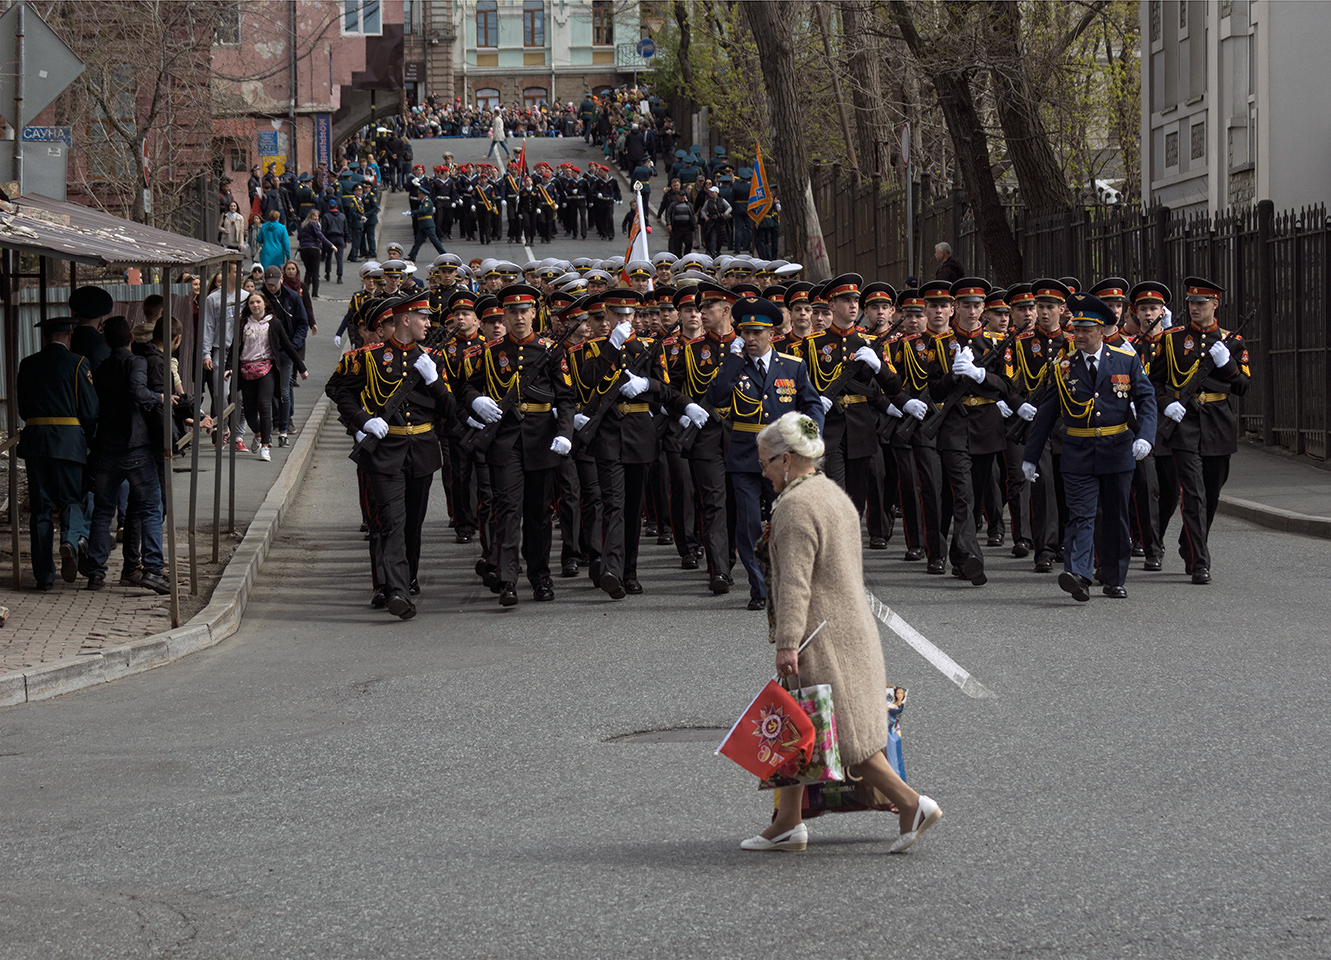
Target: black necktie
[[1090, 365], [762, 370]]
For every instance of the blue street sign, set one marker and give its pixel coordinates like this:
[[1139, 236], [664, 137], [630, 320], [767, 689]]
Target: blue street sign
[[646, 48], [48, 135]]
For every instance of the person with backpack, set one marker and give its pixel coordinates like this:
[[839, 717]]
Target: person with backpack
[[682, 222]]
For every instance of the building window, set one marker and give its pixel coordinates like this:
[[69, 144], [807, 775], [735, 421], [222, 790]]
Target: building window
[[361, 16], [1183, 14], [1156, 6], [227, 32], [239, 159], [1199, 140], [534, 96], [487, 98], [487, 23], [406, 17], [1171, 149], [533, 23], [603, 23]]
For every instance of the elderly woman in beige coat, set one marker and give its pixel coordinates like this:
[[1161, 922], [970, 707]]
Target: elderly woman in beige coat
[[815, 575]]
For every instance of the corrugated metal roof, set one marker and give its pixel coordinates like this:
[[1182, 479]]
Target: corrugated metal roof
[[55, 228]]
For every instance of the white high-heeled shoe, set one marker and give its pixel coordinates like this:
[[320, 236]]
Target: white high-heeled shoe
[[926, 816], [796, 838]]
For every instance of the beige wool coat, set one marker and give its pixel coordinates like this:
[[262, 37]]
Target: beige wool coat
[[817, 574]]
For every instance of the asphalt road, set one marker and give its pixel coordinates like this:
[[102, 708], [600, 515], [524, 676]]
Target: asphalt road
[[1148, 779]]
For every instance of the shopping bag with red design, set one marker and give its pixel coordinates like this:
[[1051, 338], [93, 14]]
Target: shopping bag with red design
[[771, 732]]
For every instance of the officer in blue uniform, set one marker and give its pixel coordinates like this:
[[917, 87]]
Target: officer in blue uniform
[[759, 385], [1094, 390], [58, 404]]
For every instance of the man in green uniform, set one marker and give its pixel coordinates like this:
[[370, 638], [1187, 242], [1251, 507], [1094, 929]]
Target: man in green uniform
[[58, 404]]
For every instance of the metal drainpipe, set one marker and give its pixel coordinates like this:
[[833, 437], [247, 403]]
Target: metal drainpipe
[[291, 70], [19, 10]]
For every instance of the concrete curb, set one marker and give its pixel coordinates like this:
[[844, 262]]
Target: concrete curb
[[1286, 521], [213, 624]]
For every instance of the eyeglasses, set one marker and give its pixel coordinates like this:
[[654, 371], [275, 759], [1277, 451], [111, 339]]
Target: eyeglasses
[[763, 463]]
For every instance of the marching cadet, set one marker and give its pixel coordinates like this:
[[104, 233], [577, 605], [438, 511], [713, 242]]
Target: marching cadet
[[485, 208], [58, 404], [1207, 432], [915, 454], [348, 327], [578, 482], [532, 435], [1113, 292], [459, 356], [641, 273], [491, 316], [850, 431], [707, 452], [683, 514], [625, 444], [877, 306], [1035, 349], [758, 385], [1026, 367], [403, 462], [1154, 482], [801, 313], [971, 434], [423, 217], [1093, 392]]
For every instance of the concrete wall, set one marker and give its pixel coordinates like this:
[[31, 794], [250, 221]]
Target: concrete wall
[[1295, 112]]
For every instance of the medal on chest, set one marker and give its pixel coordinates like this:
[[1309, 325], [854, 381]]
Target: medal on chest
[[705, 354], [1035, 347], [1122, 384], [388, 357], [785, 389], [1188, 344], [503, 361]]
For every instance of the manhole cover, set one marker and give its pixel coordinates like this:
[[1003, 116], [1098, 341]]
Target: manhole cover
[[673, 735]]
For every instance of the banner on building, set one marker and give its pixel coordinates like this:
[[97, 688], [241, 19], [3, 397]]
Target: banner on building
[[323, 139]]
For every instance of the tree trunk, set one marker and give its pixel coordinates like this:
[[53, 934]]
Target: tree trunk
[[835, 70], [768, 20], [872, 123], [686, 106], [1043, 186], [970, 147]]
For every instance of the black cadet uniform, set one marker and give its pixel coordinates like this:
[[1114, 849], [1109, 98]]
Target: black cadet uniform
[[1207, 435], [917, 455], [1154, 482], [521, 459], [403, 462]]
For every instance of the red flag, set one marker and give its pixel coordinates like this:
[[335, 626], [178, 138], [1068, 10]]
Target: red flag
[[773, 730], [522, 157]]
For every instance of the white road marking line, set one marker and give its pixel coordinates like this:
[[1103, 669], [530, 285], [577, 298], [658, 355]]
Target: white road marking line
[[530, 256], [945, 664]]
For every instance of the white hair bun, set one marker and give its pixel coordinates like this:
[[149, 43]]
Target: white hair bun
[[801, 435]]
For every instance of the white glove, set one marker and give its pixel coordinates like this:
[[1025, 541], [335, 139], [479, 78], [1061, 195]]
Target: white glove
[[580, 421], [826, 402], [684, 422], [1176, 412], [486, 409], [1004, 409], [696, 413], [337, 340], [376, 427], [1140, 448], [633, 385], [1026, 412], [425, 367], [620, 334], [965, 367], [1029, 471], [916, 408], [892, 411], [360, 435], [737, 346], [1220, 353], [870, 359], [475, 424], [562, 446]]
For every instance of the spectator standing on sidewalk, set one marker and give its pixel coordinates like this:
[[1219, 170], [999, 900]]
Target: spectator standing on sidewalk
[[123, 451], [58, 404], [949, 267], [262, 340], [498, 137], [232, 231]]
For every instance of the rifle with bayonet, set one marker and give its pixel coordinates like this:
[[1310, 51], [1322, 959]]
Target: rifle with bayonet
[[1165, 427], [365, 446], [601, 402], [933, 421], [482, 438]]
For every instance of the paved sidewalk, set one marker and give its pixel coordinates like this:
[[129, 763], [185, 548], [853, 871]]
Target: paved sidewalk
[[71, 622], [1277, 490]]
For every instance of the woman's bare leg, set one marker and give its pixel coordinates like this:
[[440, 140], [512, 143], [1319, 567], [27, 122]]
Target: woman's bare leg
[[879, 773], [789, 811]]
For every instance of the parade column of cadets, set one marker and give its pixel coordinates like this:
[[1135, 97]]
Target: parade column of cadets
[[895, 431]]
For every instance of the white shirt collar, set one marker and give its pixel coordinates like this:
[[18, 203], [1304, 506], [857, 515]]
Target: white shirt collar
[[1094, 356], [765, 359]]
